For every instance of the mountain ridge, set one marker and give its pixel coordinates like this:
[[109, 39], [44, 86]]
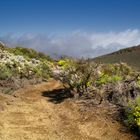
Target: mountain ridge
[[128, 55]]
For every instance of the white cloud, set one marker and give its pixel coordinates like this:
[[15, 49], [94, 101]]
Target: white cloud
[[77, 43]]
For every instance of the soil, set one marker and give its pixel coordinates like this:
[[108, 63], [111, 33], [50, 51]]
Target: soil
[[45, 112]]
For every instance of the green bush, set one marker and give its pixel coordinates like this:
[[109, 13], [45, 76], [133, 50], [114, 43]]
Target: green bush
[[77, 74], [132, 113], [112, 73], [103, 79], [28, 53], [65, 63], [86, 77], [2, 47], [5, 72], [40, 71], [41, 56]]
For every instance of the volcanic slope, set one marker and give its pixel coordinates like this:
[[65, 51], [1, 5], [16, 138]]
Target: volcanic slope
[[130, 56]]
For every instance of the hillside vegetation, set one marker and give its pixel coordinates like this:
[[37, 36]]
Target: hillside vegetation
[[112, 88], [97, 84], [22, 66]]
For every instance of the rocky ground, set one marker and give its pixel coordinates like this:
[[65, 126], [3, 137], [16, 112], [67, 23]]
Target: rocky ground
[[43, 112]]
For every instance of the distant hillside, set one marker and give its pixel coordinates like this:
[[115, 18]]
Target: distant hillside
[[130, 56]]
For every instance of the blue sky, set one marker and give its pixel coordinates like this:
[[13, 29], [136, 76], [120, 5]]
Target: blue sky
[[70, 19], [43, 16]]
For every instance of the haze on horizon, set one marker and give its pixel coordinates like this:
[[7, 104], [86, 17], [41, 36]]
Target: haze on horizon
[[79, 28]]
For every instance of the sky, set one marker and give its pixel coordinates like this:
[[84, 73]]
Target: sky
[[87, 28]]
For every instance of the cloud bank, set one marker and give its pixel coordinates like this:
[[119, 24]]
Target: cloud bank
[[77, 43]]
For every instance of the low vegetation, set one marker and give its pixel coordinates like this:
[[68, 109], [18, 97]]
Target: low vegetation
[[28, 53], [84, 76], [22, 65], [116, 83], [132, 115]]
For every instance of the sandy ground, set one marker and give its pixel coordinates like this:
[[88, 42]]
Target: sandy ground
[[33, 113]]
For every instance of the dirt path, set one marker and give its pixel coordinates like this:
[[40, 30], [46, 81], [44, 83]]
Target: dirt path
[[35, 114]]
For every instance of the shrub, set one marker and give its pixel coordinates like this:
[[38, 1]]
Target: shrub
[[46, 71], [41, 56], [112, 73], [7, 90], [28, 53], [132, 114], [65, 63], [79, 75], [5, 72], [85, 77], [42, 71], [2, 47], [103, 79], [138, 80]]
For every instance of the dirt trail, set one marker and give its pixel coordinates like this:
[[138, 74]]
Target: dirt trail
[[31, 115]]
